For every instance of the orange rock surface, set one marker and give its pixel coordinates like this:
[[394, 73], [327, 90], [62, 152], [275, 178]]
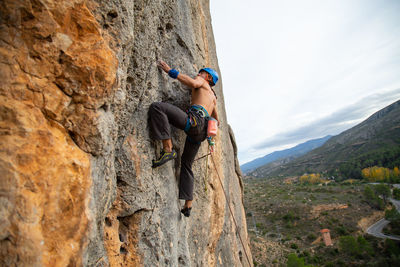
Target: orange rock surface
[[55, 69]]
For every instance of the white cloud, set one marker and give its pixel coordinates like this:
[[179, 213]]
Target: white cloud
[[331, 124], [286, 64], [334, 123]]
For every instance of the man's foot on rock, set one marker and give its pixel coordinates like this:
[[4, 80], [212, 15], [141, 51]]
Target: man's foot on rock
[[186, 211], [164, 157]]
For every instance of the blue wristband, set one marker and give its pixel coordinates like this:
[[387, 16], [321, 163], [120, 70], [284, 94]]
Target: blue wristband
[[173, 73]]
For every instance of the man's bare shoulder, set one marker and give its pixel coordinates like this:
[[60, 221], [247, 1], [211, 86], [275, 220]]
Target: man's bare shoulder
[[202, 83]]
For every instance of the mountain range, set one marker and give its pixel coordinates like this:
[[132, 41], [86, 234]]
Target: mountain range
[[375, 141], [287, 154]]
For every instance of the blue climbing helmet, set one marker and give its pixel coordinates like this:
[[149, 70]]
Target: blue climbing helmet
[[213, 74]]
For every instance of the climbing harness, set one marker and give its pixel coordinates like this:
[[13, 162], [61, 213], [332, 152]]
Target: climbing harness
[[191, 120], [199, 110]]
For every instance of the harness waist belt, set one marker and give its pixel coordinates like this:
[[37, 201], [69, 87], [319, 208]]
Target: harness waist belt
[[200, 109]]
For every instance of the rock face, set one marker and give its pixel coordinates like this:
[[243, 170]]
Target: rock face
[[77, 187]]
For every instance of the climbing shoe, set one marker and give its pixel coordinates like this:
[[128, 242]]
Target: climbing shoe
[[164, 157], [186, 211]]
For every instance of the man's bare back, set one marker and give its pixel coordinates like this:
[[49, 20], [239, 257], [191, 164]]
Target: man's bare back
[[204, 96]]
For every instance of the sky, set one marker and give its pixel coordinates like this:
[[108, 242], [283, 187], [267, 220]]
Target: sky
[[295, 70]]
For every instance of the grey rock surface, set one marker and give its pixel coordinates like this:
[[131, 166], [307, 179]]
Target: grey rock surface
[[126, 190]]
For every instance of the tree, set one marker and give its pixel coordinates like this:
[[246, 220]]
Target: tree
[[384, 191], [366, 173], [392, 215], [348, 245], [369, 193], [294, 261], [363, 245], [372, 199], [354, 247], [396, 193], [396, 172], [313, 178]]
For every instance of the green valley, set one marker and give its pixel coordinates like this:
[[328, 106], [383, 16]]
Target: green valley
[[285, 217]]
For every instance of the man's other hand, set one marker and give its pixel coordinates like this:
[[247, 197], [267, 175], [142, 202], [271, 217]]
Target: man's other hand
[[164, 66]]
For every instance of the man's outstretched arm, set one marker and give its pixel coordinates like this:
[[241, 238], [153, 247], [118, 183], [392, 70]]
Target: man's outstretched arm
[[184, 79]]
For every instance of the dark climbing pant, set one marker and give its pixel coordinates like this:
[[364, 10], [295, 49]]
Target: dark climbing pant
[[162, 115]]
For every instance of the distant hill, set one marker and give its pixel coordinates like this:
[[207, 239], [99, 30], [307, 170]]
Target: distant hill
[[375, 141], [287, 154]]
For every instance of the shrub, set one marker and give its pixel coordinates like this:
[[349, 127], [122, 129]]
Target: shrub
[[334, 220], [294, 261], [355, 247], [311, 237], [290, 217], [341, 230], [392, 248], [316, 259], [392, 214], [348, 244], [394, 217], [306, 254], [294, 246], [372, 198], [396, 193], [382, 190], [264, 232], [340, 263], [287, 238], [333, 251], [364, 245], [313, 178], [260, 225], [289, 225]]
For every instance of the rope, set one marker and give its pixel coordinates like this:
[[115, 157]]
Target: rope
[[230, 209], [205, 177]]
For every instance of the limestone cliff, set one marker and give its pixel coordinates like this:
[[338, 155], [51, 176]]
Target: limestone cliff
[[77, 188]]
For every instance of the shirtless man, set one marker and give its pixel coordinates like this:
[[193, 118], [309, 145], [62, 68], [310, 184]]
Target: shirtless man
[[193, 122]]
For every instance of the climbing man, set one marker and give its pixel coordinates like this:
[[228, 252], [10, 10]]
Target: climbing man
[[193, 122]]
